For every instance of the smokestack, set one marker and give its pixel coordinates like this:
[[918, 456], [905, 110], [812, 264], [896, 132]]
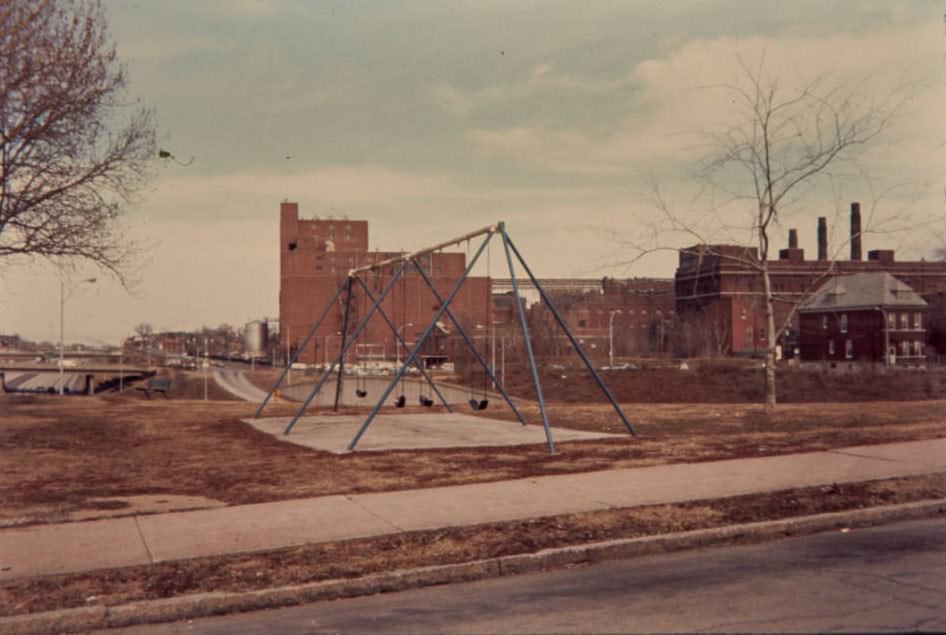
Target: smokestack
[[822, 238], [793, 239], [855, 231]]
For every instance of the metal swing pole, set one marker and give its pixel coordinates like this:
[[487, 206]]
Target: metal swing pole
[[526, 340], [472, 348], [400, 339], [358, 329], [341, 359], [413, 353], [298, 352], [571, 338]]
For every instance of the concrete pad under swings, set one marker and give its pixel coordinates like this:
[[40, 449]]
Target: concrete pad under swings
[[411, 431]]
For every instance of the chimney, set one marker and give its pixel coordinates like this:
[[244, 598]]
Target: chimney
[[822, 238], [792, 253], [855, 231]]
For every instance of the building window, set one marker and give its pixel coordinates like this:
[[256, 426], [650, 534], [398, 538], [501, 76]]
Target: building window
[[904, 321], [292, 246], [582, 323], [844, 322], [905, 348], [891, 321], [830, 348], [750, 334], [918, 348], [848, 349], [824, 322], [918, 321]]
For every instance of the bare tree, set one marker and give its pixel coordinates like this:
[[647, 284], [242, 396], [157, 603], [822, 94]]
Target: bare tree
[[783, 144], [72, 151]]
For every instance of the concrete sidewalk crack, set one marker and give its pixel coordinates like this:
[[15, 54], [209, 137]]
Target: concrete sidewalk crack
[[575, 493], [863, 456], [371, 513], [143, 541]]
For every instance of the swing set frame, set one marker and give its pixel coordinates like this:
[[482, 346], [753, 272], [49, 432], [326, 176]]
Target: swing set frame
[[404, 262]]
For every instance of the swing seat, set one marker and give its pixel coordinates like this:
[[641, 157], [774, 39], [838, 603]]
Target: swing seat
[[400, 402], [482, 404], [474, 404], [425, 401], [361, 393]]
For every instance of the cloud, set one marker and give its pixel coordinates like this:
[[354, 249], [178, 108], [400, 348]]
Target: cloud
[[675, 98], [541, 79]]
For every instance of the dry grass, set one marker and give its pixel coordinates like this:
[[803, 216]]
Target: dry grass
[[58, 457], [355, 558]]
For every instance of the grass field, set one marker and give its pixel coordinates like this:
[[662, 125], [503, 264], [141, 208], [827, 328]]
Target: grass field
[[87, 457]]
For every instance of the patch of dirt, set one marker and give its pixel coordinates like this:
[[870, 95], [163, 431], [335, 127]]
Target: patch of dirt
[[58, 456], [354, 558], [147, 504]]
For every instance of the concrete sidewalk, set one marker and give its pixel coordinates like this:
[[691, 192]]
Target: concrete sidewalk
[[82, 546]]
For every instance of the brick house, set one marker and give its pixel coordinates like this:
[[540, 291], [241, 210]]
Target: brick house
[[858, 317], [718, 288]]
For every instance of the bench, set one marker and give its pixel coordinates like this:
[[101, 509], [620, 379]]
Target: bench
[[157, 384]]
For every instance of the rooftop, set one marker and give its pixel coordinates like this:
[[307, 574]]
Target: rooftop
[[862, 290]]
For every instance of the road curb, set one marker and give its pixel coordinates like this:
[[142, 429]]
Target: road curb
[[217, 603]]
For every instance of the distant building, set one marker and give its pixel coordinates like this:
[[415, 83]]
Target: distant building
[[315, 257], [637, 314], [719, 296], [858, 317]]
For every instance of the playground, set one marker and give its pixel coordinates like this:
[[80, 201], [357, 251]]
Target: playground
[[102, 456], [115, 455]]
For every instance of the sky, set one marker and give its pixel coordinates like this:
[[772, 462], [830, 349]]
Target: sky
[[431, 119]]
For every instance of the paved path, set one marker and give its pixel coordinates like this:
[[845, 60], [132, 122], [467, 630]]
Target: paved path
[[236, 383], [69, 547]]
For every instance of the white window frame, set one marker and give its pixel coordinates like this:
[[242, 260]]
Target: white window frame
[[848, 349], [844, 322]]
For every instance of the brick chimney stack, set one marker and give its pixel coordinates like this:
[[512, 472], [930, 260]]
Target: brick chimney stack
[[855, 231], [822, 238], [792, 252]]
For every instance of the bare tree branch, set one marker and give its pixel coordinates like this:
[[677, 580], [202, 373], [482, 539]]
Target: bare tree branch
[[781, 142], [70, 152]]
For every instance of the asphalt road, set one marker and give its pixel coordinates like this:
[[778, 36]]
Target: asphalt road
[[234, 381], [890, 578]]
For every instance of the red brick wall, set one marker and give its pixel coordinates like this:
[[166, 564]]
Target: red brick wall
[[315, 256], [865, 330]]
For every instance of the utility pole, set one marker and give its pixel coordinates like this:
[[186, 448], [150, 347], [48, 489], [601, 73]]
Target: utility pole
[[611, 336], [62, 331]]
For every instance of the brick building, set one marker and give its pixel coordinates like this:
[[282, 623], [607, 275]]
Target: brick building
[[638, 313], [314, 259], [718, 288], [858, 317]]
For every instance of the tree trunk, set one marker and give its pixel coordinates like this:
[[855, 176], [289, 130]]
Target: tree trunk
[[770, 339]]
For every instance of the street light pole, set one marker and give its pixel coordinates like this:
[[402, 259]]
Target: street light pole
[[398, 343], [62, 331], [611, 337]]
